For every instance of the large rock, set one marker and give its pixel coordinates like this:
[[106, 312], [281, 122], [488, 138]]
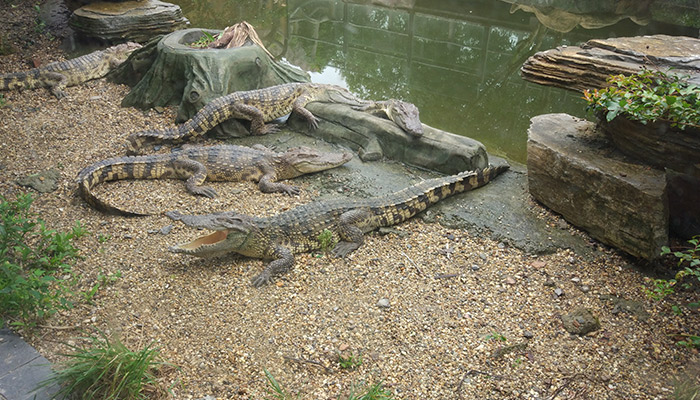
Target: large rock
[[573, 169], [374, 138], [588, 66], [136, 21]]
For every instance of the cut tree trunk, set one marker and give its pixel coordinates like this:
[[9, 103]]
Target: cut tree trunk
[[192, 77]]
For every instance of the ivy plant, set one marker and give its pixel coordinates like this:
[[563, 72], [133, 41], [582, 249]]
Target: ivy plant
[[648, 96]]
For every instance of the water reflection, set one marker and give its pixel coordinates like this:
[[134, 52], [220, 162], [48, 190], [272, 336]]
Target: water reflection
[[458, 61]]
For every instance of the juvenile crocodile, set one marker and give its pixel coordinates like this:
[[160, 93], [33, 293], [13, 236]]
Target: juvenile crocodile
[[404, 114], [258, 106], [279, 237], [213, 163], [58, 75]]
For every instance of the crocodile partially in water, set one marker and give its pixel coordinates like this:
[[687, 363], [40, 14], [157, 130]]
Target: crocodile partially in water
[[279, 237], [58, 75], [265, 105], [214, 163]]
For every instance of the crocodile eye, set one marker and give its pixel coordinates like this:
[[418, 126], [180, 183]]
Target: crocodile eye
[[258, 62], [194, 96]]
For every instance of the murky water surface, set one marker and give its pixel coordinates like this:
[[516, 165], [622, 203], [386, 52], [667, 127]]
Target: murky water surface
[[458, 61]]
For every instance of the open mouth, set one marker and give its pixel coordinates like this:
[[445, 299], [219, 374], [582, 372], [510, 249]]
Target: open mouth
[[208, 240]]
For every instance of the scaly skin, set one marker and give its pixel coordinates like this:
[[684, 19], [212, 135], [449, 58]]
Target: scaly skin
[[58, 75], [257, 106], [279, 237], [213, 163], [403, 114]]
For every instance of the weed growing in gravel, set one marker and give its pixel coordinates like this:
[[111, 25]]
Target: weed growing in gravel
[[35, 264], [326, 240], [687, 277], [276, 391], [107, 369], [371, 392], [494, 336], [3, 102], [102, 281], [350, 362]]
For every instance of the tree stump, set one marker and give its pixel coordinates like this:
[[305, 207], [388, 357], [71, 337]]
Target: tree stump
[[192, 77]]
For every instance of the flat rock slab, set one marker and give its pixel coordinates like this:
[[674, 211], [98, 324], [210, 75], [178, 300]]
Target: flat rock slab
[[588, 66], [136, 21], [22, 369], [574, 170]]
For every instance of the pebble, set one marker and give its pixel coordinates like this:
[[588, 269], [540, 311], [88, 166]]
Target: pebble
[[483, 256], [475, 267], [166, 229], [528, 335], [558, 292], [383, 303]]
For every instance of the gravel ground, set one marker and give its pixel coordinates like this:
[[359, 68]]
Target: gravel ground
[[419, 304]]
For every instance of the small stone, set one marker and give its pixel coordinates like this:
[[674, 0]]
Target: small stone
[[501, 245], [159, 109], [549, 283], [585, 288], [576, 279], [343, 347], [383, 303], [451, 236], [483, 256], [475, 267], [538, 264], [580, 322], [558, 292], [510, 280], [279, 283], [528, 335], [166, 229]]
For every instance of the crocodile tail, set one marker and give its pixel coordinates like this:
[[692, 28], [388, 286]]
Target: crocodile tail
[[110, 170], [406, 203], [20, 80], [137, 141]]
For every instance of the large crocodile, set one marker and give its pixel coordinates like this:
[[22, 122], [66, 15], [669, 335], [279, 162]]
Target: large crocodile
[[58, 75], [258, 106], [215, 163], [279, 237], [265, 105]]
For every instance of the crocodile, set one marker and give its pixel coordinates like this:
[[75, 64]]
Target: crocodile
[[302, 229], [214, 163], [58, 75], [258, 106], [402, 113]]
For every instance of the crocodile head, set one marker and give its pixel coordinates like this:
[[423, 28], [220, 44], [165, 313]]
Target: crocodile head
[[119, 53], [231, 234], [304, 160], [405, 115]]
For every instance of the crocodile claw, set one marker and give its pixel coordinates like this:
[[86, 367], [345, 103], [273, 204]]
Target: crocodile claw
[[262, 279], [342, 249], [292, 190], [205, 191]]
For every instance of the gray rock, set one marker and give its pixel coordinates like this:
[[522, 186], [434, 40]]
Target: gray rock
[[573, 170], [42, 182], [166, 229], [580, 322], [375, 138], [559, 292], [383, 303], [136, 21], [631, 307], [528, 335]]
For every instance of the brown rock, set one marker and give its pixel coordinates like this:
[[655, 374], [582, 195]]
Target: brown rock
[[573, 169]]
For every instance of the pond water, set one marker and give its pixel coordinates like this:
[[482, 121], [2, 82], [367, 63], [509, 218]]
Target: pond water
[[458, 61]]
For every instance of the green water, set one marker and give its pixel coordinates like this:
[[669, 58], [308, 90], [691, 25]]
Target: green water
[[458, 61]]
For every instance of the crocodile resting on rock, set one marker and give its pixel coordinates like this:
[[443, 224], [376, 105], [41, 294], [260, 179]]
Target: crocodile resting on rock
[[214, 163], [402, 113], [279, 237], [265, 105], [58, 75]]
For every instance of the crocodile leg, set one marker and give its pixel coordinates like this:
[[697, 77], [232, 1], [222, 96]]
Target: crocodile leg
[[351, 235], [283, 261], [298, 107], [267, 183], [56, 82], [256, 117], [197, 174]]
